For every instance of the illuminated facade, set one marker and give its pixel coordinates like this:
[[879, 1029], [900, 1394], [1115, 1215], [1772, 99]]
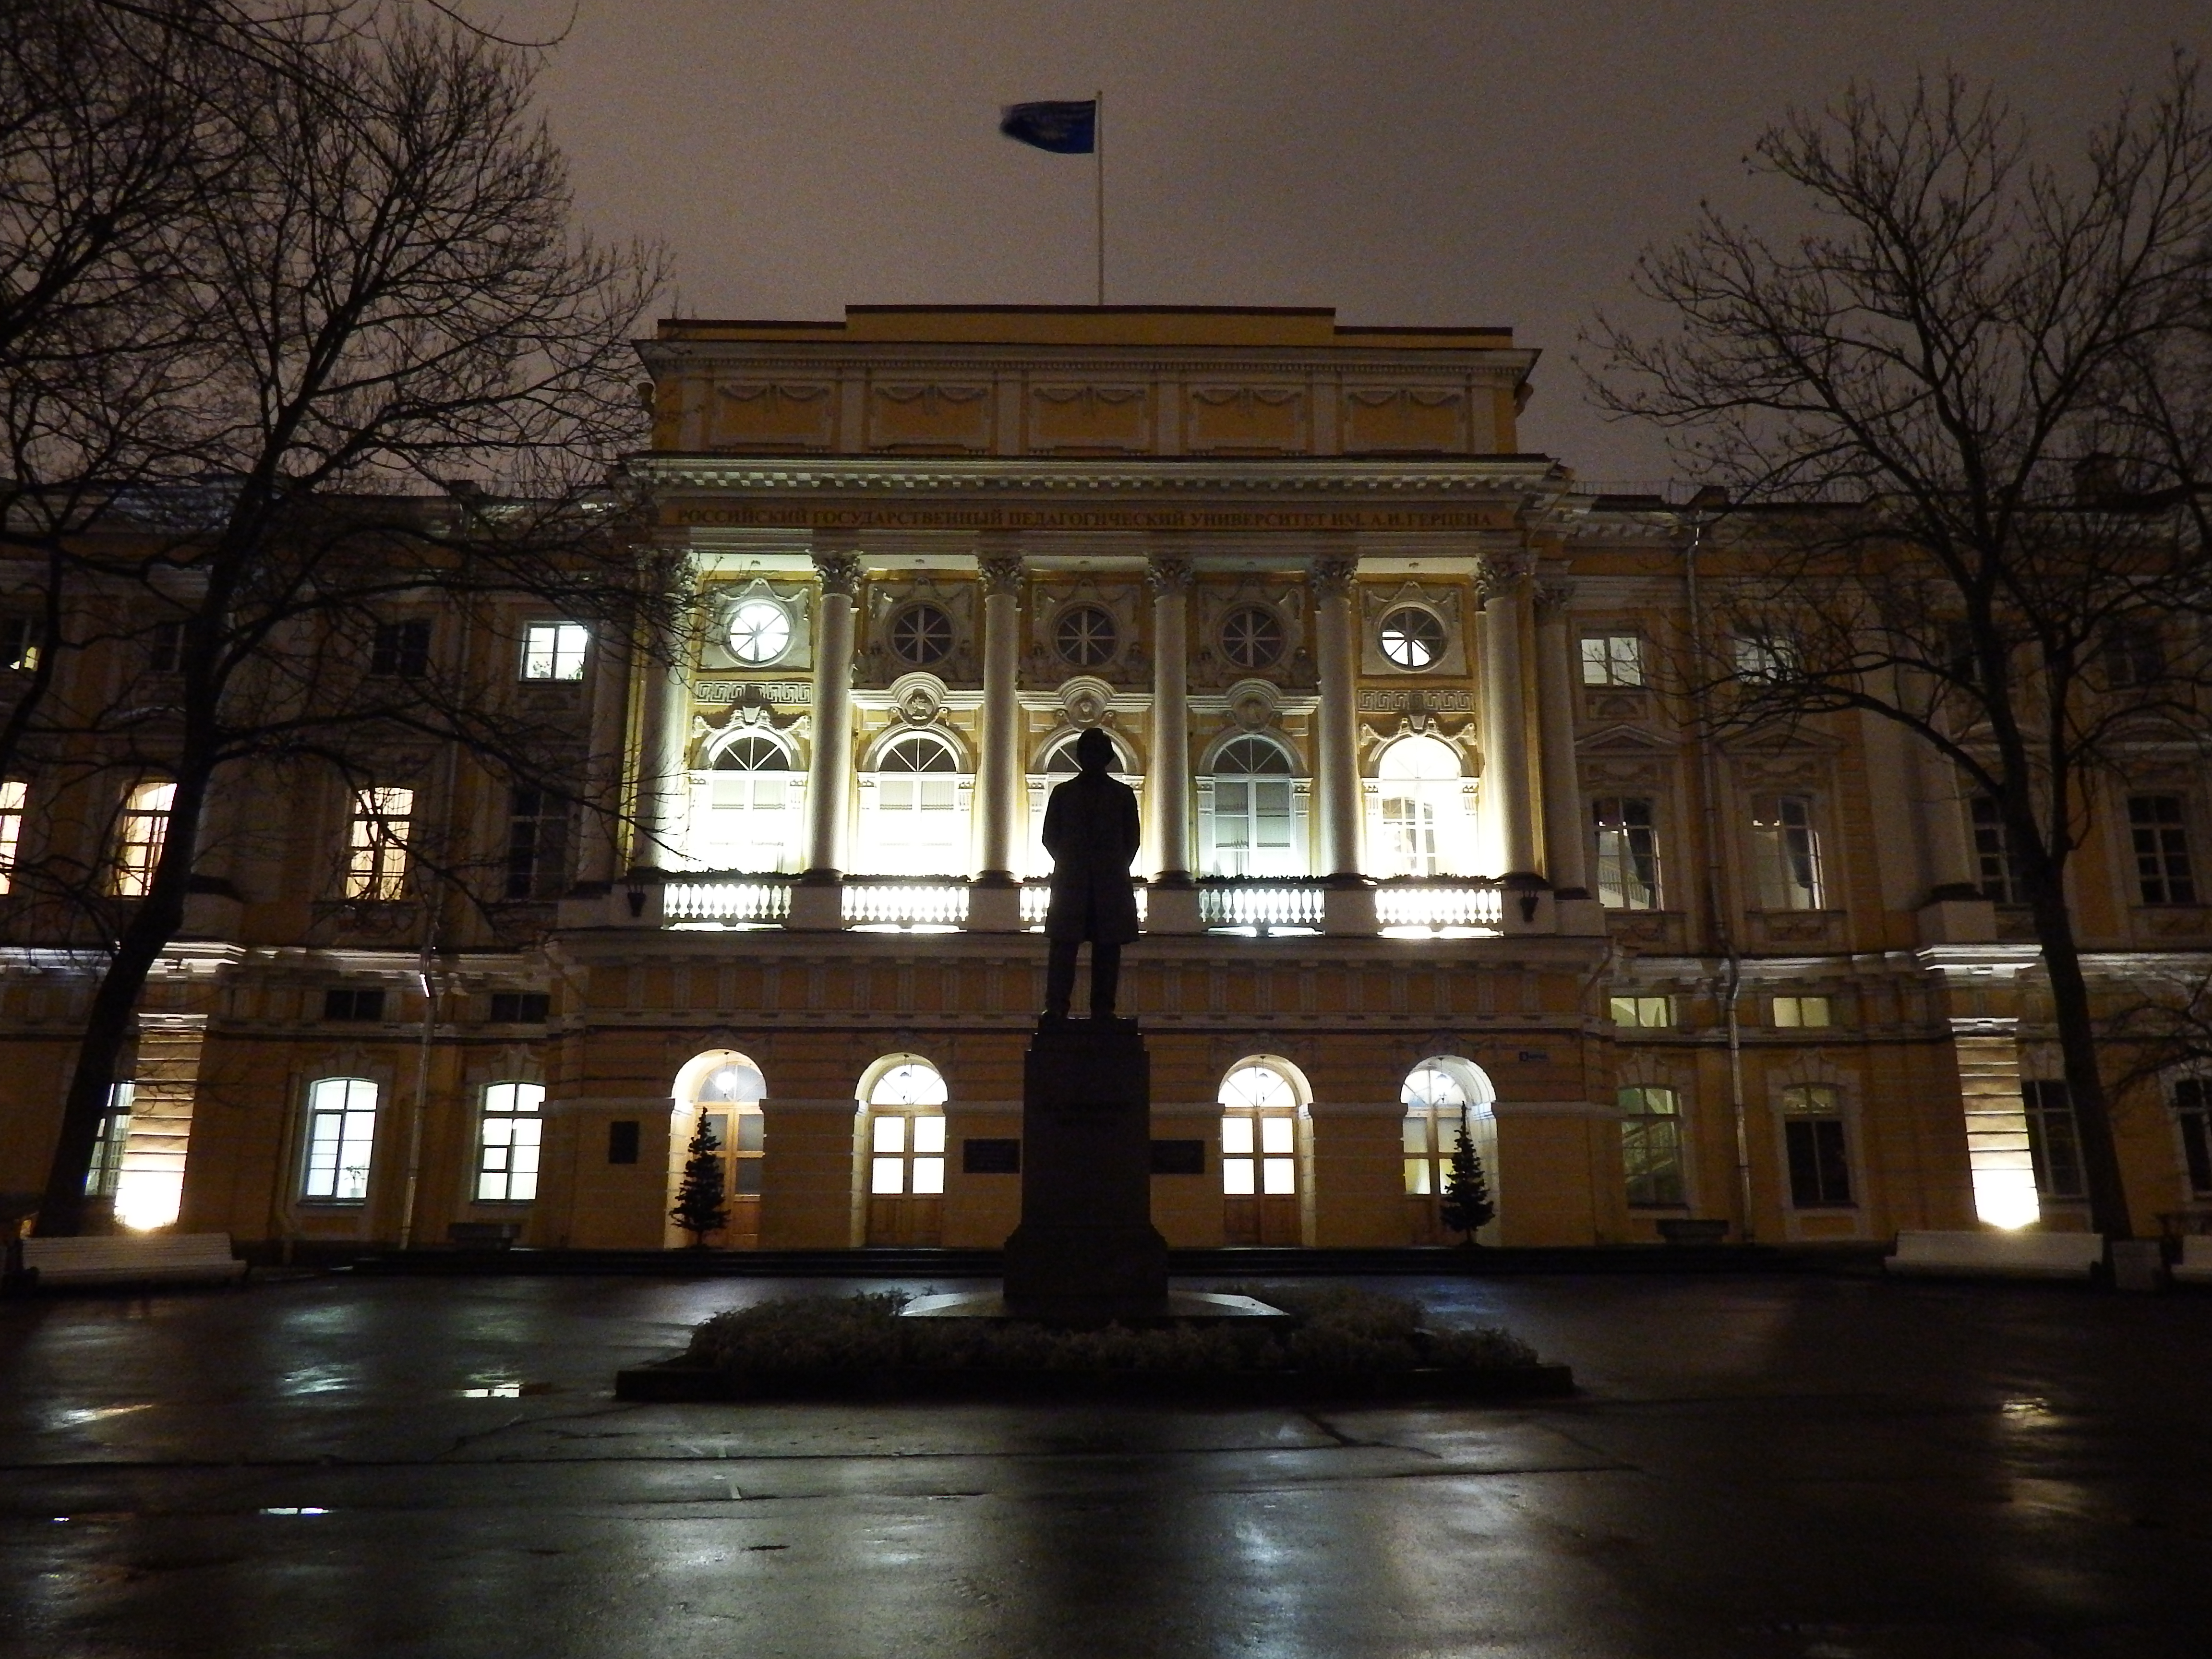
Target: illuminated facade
[[1424, 845]]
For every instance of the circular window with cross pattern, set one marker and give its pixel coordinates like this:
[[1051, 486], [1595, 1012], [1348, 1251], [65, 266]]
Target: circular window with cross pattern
[[1085, 636], [1412, 637], [1252, 637], [921, 635]]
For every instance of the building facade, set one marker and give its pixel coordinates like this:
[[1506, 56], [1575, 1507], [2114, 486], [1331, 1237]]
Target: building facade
[[1425, 844]]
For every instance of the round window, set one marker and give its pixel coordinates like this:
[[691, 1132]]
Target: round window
[[760, 631], [1252, 637], [1413, 638], [1085, 636], [922, 634]]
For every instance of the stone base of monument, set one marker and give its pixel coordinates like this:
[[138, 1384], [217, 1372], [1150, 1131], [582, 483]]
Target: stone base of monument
[[1177, 1308], [1086, 1253]]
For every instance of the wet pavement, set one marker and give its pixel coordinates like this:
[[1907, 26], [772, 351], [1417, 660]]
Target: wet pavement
[[1819, 1468]]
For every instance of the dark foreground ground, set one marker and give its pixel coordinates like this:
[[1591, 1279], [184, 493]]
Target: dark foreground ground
[[1822, 1469]]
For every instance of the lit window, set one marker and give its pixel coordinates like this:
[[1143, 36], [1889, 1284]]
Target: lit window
[[1251, 816], [537, 843], [1252, 637], [402, 650], [1793, 1013], [12, 797], [2192, 1113], [1651, 1014], [376, 847], [1423, 807], [746, 820], [340, 1137], [1412, 637], [1612, 659], [760, 631], [919, 828], [2161, 847], [1436, 1103], [907, 1139], [1788, 853], [1762, 660], [1259, 1135], [143, 828], [1627, 853], [507, 1153], [1652, 1145], [1819, 1151], [2054, 1138], [19, 644], [1085, 636], [728, 1103], [109, 1142], [554, 651], [921, 635], [1992, 858]]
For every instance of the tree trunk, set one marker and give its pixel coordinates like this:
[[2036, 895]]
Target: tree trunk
[[153, 922], [2077, 1043]]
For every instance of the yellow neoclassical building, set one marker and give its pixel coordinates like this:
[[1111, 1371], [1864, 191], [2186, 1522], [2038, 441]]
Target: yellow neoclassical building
[[1424, 844]]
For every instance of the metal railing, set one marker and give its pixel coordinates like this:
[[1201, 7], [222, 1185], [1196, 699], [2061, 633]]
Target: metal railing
[[765, 900], [1475, 905], [1260, 904]]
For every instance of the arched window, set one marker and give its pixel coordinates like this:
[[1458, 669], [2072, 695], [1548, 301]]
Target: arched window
[[914, 821], [743, 807], [508, 1143], [1260, 1103], [721, 1090], [340, 1140], [1250, 822], [904, 1107], [1439, 1094], [1423, 808]]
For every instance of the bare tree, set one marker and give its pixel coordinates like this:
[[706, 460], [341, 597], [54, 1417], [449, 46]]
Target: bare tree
[[386, 294], [1952, 380]]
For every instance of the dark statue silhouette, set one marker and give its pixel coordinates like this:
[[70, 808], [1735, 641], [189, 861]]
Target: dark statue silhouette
[[1090, 830]]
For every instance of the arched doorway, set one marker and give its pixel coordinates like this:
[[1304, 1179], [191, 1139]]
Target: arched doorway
[[1263, 1108], [1438, 1095], [723, 1089], [745, 807], [902, 1150]]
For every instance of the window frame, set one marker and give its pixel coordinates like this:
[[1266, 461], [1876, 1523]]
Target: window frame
[[2190, 1100], [554, 652], [1616, 669], [1638, 1005], [1276, 634], [345, 1112], [756, 602], [401, 649], [15, 811], [496, 1105], [2165, 867], [1255, 851], [1654, 1161], [1786, 853], [538, 857], [2046, 1102], [141, 833], [919, 1143], [1068, 614], [1435, 639], [1993, 859], [378, 857], [1788, 1013], [902, 623], [1617, 839], [1816, 1143], [1267, 1163]]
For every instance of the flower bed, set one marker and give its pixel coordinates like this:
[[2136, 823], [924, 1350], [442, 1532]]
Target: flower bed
[[1340, 1342]]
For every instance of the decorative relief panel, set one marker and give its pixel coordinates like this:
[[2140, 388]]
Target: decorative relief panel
[[1430, 420], [1251, 628], [911, 625], [1085, 627], [772, 416], [927, 415], [1246, 419], [756, 624], [1083, 418]]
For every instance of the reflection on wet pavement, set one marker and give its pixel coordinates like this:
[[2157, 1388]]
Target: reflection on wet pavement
[[1759, 1468]]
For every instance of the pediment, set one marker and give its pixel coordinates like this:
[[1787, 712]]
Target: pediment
[[1624, 740]]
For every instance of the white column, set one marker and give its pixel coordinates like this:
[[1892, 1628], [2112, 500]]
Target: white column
[[597, 859], [1565, 861], [663, 779], [1335, 643], [1169, 763], [999, 772], [1506, 597], [829, 768]]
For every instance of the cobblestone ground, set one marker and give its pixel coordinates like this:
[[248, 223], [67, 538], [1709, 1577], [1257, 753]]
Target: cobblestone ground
[[1819, 1468]]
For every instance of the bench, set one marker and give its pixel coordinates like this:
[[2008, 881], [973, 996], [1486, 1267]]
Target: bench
[[133, 1259], [2194, 1267], [1997, 1254]]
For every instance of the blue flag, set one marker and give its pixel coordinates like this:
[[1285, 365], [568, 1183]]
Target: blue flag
[[1064, 129]]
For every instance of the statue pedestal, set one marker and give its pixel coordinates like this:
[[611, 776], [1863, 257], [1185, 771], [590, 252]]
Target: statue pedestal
[[1086, 1252]]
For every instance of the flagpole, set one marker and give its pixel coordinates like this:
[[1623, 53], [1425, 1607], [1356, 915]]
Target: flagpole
[[1098, 176]]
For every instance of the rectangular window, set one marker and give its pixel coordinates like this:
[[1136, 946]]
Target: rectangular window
[[376, 848], [1819, 1154], [109, 1140], [346, 1003], [2054, 1140], [1794, 1013], [537, 842], [2192, 1111], [1992, 858], [2161, 844], [2134, 656], [165, 648], [554, 651], [1761, 660], [520, 1007], [19, 644], [1612, 659], [1788, 853], [1649, 1014], [1627, 853], [13, 798], [1652, 1145], [341, 1136], [139, 837], [506, 1150], [1239, 1169], [402, 650]]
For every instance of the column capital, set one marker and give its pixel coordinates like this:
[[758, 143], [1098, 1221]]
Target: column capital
[[1553, 599], [1332, 573], [1167, 574], [1499, 578], [1001, 571], [840, 572]]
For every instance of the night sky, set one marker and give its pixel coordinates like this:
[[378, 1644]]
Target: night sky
[[1434, 163]]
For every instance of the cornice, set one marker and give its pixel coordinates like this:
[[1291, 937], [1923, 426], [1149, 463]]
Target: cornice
[[1492, 478]]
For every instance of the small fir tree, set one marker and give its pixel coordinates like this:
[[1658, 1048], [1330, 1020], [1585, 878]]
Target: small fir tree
[[699, 1208], [1467, 1205]]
